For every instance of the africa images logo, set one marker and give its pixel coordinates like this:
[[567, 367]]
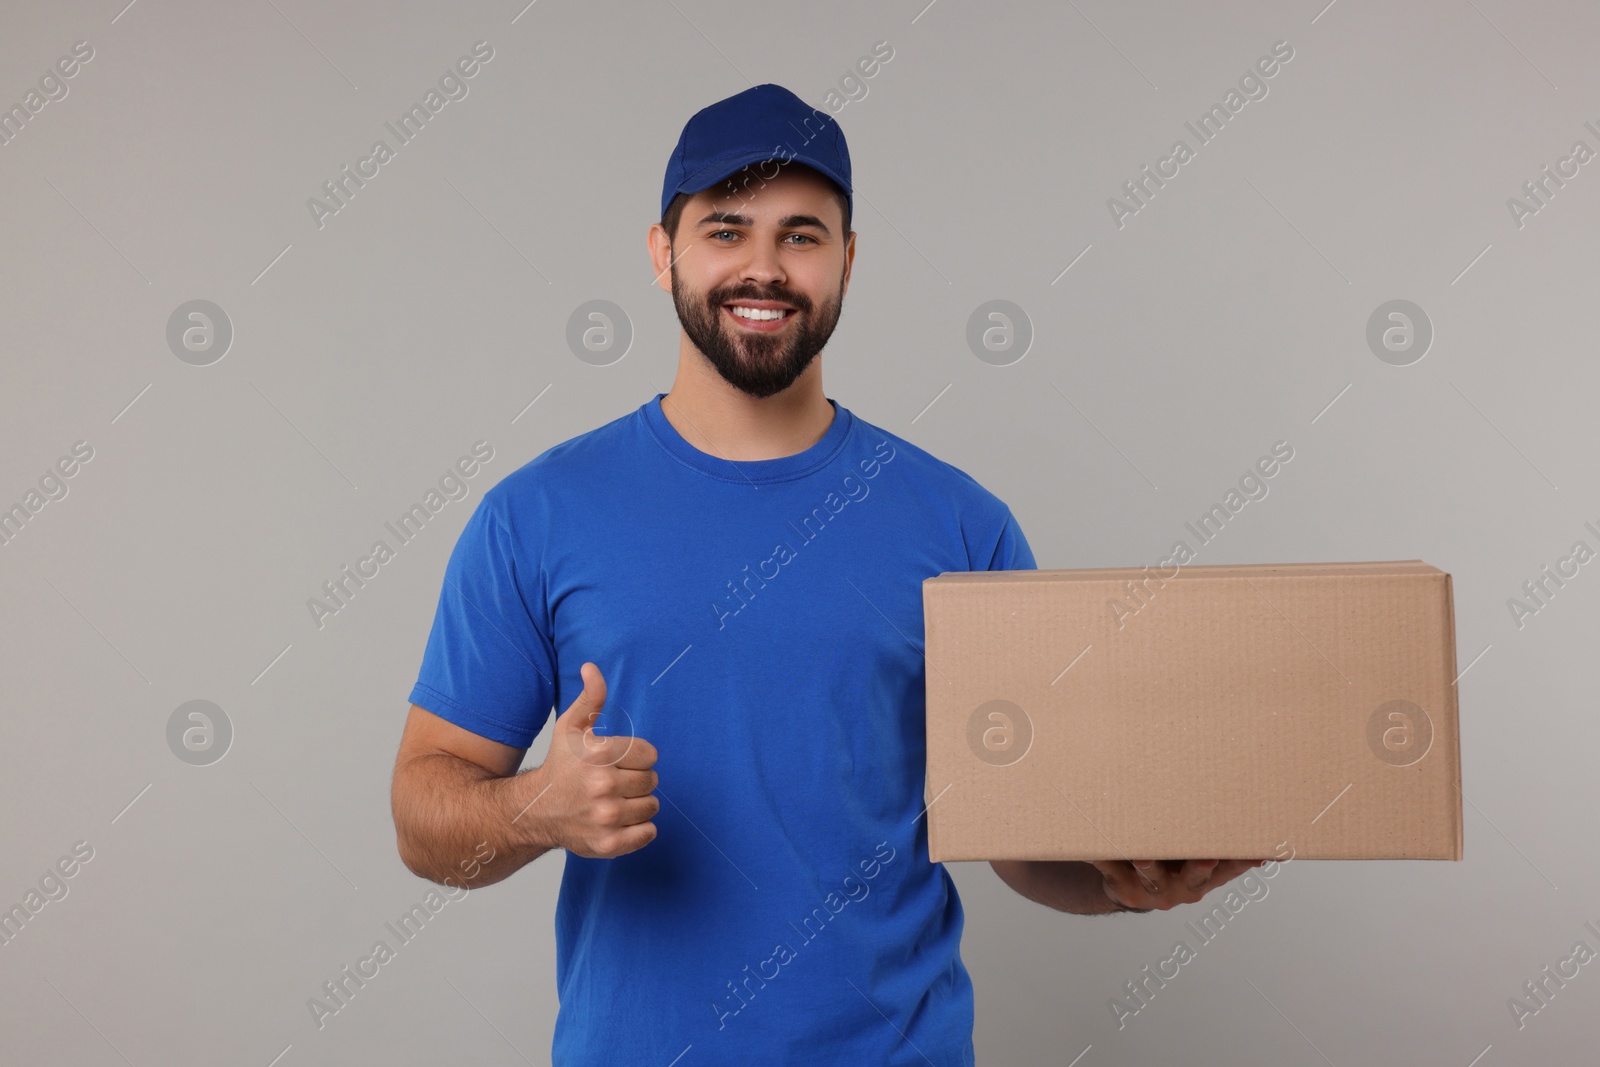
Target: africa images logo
[[855, 489], [1140, 191], [855, 889]]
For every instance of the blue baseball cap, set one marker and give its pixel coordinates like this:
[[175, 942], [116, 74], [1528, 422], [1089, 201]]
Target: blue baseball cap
[[765, 122]]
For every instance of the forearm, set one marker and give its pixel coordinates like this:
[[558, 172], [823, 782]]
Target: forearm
[[1065, 885], [458, 824]]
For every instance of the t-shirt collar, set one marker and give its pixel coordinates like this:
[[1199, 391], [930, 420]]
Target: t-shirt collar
[[754, 471]]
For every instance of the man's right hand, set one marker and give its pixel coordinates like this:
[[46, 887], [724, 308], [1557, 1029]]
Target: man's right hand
[[591, 795]]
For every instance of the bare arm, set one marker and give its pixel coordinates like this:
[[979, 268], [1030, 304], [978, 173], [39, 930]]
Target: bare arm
[[1065, 885], [463, 813], [458, 804]]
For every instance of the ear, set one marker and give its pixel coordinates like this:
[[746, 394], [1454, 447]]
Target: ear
[[849, 258], [660, 256]]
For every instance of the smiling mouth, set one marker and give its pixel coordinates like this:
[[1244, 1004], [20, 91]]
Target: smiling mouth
[[763, 319], [750, 311]]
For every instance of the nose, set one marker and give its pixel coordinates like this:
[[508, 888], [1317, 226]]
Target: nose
[[762, 266]]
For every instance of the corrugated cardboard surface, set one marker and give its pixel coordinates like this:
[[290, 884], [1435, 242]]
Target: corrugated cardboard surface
[[1224, 712]]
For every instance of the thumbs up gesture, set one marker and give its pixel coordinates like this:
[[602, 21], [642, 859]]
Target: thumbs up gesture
[[592, 794]]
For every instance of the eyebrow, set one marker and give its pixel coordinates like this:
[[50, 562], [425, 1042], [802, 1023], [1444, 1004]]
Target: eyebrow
[[733, 218]]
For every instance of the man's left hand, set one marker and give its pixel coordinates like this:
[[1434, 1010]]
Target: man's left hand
[[1146, 885]]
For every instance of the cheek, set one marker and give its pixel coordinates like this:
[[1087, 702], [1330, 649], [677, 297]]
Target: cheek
[[819, 279], [693, 282]]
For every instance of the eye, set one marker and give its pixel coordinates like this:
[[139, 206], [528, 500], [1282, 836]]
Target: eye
[[805, 237], [719, 233]]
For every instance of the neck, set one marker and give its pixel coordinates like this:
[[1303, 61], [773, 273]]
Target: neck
[[720, 420]]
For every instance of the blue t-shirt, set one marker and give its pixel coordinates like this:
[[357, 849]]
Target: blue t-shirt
[[760, 623]]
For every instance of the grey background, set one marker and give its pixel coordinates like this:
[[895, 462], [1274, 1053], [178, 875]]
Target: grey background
[[369, 354]]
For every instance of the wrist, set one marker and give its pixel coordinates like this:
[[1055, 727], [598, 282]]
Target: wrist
[[523, 803]]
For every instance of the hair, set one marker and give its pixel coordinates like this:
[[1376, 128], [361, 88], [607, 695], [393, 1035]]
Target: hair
[[674, 212]]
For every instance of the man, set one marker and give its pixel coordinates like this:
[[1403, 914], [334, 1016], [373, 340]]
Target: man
[[723, 587]]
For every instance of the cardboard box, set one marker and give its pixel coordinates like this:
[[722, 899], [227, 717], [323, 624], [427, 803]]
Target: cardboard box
[[1221, 712]]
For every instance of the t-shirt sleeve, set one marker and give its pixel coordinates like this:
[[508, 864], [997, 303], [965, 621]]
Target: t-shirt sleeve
[[489, 665], [1012, 552]]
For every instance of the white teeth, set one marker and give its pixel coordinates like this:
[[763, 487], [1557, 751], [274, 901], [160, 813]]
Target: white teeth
[[757, 313]]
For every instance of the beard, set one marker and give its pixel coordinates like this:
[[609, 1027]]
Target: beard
[[760, 365]]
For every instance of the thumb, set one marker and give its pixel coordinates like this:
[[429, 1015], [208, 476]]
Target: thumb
[[585, 710]]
